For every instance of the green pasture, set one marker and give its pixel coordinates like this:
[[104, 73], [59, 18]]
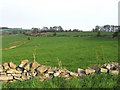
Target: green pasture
[[74, 52], [6, 31]]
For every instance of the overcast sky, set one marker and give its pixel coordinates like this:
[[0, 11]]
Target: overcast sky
[[70, 14]]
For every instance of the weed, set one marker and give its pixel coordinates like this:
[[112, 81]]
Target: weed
[[103, 54], [98, 34]]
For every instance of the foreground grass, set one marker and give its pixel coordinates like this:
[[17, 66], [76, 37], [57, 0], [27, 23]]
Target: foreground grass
[[94, 81]]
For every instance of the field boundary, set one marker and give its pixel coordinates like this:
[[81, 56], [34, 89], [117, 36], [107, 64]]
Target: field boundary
[[35, 70], [38, 35]]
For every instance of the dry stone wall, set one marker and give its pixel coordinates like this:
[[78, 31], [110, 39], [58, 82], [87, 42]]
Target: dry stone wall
[[9, 72]]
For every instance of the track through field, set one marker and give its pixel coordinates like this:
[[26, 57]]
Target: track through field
[[14, 46]]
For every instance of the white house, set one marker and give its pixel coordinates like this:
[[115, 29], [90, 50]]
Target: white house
[[44, 28], [108, 28]]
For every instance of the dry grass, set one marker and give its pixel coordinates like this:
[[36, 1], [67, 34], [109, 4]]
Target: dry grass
[[34, 54], [103, 54], [15, 42], [59, 63], [97, 58]]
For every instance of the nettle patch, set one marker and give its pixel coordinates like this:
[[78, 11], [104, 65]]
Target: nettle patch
[[9, 72]]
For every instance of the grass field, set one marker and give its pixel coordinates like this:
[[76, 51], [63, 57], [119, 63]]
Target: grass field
[[74, 52], [6, 31]]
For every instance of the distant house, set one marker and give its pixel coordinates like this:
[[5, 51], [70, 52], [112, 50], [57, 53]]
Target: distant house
[[108, 28], [45, 28], [36, 28]]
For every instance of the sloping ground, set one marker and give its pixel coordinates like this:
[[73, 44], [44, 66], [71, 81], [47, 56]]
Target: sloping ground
[[8, 41], [72, 51], [77, 52], [14, 46]]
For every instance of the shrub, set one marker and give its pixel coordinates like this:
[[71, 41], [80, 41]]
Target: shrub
[[29, 38], [14, 32], [115, 34], [98, 34], [54, 34]]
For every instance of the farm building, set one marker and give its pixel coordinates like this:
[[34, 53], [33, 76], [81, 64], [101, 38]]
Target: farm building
[[107, 28]]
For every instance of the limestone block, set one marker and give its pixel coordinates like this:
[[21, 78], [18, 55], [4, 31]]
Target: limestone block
[[11, 71], [25, 70], [50, 71], [33, 73], [19, 69], [6, 78], [62, 74], [54, 69], [47, 75], [80, 70], [11, 81], [12, 65], [104, 70], [50, 77], [116, 72], [81, 74], [105, 65], [74, 74], [24, 77], [67, 75], [62, 70], [23, 63], [1, 68], [18, 78], [89, 71], [28, 77], [56, 74], [2, 73], [6, 67], [109, 66], [18, 72], [28, 66], [67, 71], [34, 65], [42, 69], [9, 74], [17, 75]]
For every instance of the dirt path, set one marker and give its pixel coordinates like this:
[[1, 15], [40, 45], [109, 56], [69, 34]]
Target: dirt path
[[14, 46], [15, 42]]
